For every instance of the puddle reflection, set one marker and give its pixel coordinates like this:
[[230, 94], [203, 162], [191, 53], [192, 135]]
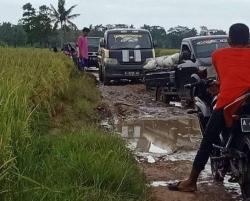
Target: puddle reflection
[[162, 136]]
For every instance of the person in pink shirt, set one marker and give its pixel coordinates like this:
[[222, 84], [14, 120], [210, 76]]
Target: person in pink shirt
[[83, 52]]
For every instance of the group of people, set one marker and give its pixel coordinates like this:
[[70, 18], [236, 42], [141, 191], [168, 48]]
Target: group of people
[[80, 53]]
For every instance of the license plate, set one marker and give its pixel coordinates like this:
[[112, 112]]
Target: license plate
[[132, 73], [245, 125]]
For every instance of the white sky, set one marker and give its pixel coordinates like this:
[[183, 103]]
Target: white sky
[[166, 13]]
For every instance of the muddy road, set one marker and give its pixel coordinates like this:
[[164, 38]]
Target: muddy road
[[164, 140]]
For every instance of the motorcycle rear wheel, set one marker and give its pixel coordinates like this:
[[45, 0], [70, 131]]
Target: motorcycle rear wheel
[[242, 144], [244, 179], [245, 186]]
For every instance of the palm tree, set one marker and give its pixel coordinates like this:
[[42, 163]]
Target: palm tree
[[63, 17]]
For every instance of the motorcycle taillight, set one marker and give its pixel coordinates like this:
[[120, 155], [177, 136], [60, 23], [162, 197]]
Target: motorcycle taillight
[[235, 117]]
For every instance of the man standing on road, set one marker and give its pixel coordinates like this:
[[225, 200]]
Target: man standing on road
[[233, 68], [83, 52]]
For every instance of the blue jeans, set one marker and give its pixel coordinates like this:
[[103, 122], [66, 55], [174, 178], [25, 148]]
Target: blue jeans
[[213, 129], [82, 63]]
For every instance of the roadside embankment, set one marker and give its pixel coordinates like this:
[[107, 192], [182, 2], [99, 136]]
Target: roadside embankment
[[50, 145]]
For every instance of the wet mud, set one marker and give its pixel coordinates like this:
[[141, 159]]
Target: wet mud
[[164, 141], [161, 135]]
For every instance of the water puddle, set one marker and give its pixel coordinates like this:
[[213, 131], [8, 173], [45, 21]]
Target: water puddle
[[161, 136], [171, 139], [158, 111], [164, 140]]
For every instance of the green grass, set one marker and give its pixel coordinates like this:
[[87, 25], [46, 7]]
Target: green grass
[[163, 52], [87, 165], [76, 107], [30, 81], [50, 146]]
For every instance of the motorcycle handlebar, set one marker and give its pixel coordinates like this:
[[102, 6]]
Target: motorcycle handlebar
[[202, 81]]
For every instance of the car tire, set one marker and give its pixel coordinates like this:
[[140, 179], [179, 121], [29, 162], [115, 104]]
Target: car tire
[[105, 79], [161, 97], [100, 74]]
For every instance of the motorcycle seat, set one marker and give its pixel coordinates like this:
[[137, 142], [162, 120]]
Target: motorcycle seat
[[230, 111]]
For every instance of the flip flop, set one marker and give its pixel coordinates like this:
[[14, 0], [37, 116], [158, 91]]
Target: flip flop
[[175, 187]]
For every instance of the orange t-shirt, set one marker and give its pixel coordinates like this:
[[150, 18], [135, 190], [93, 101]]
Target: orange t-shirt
[[233, 69]]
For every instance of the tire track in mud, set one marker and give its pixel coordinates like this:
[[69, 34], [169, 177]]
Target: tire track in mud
[[164, 140]]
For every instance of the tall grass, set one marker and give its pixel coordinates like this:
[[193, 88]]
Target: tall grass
[[28, 81], [39, 93], [164, 52]]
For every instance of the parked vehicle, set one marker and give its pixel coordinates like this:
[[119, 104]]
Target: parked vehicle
[[195, 55], [230, 156], [93, 45], [123, 54]]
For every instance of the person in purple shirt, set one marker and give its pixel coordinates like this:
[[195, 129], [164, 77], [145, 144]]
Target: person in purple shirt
[[83, 53]]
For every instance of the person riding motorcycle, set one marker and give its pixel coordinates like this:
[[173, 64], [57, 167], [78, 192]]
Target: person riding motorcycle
[[233, 69]]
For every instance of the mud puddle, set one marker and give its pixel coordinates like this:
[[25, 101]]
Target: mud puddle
[[165, 148], [164, 141], [161, 136]]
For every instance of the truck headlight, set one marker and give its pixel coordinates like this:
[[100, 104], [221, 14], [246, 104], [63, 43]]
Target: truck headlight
[[110, 61]]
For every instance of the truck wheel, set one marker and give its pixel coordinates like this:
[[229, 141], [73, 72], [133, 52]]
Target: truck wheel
[[148, 87], [100, 74], [105, 79], [160, 96]]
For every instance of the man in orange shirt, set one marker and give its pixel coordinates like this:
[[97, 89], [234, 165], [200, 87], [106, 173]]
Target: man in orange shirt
[[233, 69]]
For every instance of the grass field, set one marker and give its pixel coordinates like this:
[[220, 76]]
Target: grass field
[[50, 146], [163, 52]]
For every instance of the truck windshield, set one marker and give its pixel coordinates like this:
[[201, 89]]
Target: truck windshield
[[129, 41], [205, 47], [93, 42]]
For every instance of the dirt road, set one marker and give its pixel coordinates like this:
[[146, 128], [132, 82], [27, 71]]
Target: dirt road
[[164, 140]]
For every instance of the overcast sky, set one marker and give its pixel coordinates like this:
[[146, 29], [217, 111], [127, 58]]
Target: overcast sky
[[166, 13]]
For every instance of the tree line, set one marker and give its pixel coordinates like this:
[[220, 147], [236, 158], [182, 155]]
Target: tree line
[[48, 26]]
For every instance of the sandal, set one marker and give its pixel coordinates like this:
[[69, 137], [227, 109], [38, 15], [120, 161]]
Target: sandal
[[175, 187]]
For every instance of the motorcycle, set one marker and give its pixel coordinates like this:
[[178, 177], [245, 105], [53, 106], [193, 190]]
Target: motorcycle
[[231, 155]]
